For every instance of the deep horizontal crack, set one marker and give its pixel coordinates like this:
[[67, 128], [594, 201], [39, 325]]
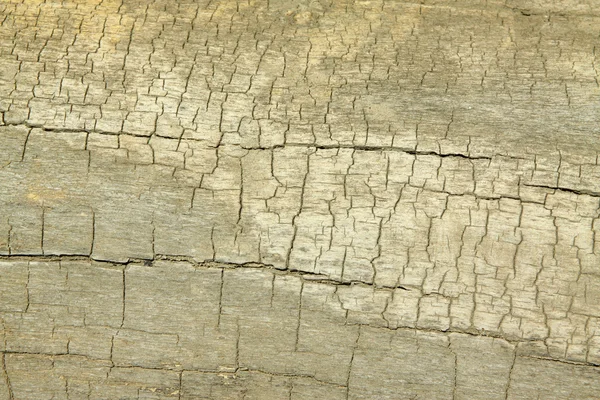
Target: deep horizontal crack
[[371, 148], [567, 190], [306, 275], [569, 362], [279, 146]]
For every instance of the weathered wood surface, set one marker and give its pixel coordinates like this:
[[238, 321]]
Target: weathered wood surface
[[299, 199]]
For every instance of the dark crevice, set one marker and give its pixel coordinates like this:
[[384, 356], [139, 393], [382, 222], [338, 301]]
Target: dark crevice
[[567, 190], [306, 275], [371, 148], [310, 146], [6, 377]]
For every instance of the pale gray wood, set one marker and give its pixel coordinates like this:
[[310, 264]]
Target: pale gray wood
[[299, 199]]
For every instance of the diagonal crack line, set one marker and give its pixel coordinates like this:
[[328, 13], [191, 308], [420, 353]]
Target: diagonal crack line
[[305, 275], [476, 196], [569, 362], [567, 190]]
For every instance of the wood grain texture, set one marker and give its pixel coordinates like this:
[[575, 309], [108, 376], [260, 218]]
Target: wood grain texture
[[299, 199]]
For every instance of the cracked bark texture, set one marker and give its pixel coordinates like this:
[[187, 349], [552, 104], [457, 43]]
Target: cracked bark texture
[[299, 199]]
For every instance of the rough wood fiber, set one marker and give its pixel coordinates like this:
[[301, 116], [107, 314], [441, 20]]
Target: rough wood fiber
[[299, 199]]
